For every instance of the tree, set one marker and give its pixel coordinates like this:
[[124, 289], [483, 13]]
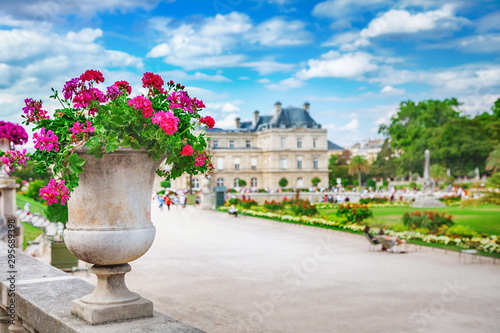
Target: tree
[[283, 182], [357, 166], [438, 172], [384, 166], [165, 184], [315, 181], [493, 160], [344, 157], [338, 168], [242, 183]]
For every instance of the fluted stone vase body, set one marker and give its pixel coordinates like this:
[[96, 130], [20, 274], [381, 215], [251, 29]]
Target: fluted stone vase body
[[110, 211], [110, 225]]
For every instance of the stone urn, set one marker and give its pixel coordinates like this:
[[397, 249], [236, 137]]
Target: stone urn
[[110, 225]]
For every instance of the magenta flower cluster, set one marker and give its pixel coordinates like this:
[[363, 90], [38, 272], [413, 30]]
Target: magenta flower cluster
[[142, 103], [33, 111], [46, 141], [79, 128], [14, 158], [54, 191], [180, 100], [15, 133], [167, 121]]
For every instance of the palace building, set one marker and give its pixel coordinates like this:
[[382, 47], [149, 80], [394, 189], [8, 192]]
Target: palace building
[[288, 144]]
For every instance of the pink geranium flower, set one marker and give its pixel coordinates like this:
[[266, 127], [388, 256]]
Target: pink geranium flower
[[187, 150], [209, 121], [142, 103], [46, 141], [54, 191], [167, 121]]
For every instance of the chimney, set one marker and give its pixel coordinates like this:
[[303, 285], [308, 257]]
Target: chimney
[[306, 106], [237, 123], [277, 109], [255, 117]]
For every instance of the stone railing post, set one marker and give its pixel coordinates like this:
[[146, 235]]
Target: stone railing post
[[9, 210], [17, 327], [4, 321]]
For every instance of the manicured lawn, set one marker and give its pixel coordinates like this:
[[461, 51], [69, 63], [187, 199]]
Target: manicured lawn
[[30, 233], [485, 218], [36, 207]]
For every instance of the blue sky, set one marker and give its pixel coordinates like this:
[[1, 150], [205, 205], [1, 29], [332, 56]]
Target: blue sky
[[354, 61]]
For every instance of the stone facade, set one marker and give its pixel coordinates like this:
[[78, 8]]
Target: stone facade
[[288, 144]]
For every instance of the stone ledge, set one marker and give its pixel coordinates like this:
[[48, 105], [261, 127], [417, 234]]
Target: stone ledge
[[44, 295]]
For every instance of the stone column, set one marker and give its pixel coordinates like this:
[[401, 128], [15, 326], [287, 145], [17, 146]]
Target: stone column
[[9, 209], [17, 327]]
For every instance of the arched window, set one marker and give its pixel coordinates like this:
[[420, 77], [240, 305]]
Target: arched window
[[220, 181], [236, 181], [299, 183], [253, 182], [196, 183]]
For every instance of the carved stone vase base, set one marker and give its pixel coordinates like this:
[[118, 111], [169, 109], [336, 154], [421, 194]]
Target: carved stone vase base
[[98, 314], [111, 300]]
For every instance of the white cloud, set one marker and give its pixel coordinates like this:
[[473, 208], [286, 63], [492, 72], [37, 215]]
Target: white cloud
[[225, 107], [263, 81], [389, 90], [403, 22], [478, 43], [342, 38], [278, 32], [210, 42], [345, 8], [350, 126], [269, 66], [488, 22], [334, 64], [286, 84], [243, 78], [179, 76], [227, 122]]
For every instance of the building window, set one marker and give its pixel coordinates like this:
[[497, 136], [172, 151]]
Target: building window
[[220, 163], [299, 142], [220, 181], [300, 184], [248, 144], [196, 183], [315, 142], [215, 144], [254, 163], [315, 163], [236, 164], [231, 144], [283, 142], [253, 182], [299, 162], [283, 162], [236, 181]]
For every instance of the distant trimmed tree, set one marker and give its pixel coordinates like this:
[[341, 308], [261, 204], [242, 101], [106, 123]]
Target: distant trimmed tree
[[315, 181], [283, 182], [242, 183]]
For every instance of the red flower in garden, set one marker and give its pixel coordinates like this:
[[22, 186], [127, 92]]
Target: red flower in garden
[[92, 75], [187, 150], [46, 141], [167, 121], [123, 86], [150, 80], [54, 191], [143, 104], [209, 121]]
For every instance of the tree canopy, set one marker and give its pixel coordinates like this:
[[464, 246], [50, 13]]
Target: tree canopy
[[456, 140]]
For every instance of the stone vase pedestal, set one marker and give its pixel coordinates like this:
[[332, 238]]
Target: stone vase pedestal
[[110, 225]]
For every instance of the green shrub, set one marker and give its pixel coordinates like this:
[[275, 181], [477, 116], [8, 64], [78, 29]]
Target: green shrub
[[344, 182], [261, 190], [373, 200], [450, 199], [385, 183], [303, 207], [399, 227], [315, 181], [354, 212], [57, 213], [273, 205], [34, 189], [242, 183], [461, 230], [355, 183], [371, 183], [413, 184], [247, 203], [283, 182], [165, 184], [435, 222], [161, 192]]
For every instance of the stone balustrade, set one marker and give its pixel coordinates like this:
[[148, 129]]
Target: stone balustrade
[[36, 297]]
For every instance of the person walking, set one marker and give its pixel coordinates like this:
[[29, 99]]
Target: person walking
[[168, 202]]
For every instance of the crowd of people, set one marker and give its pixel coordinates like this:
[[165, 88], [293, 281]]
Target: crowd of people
[[172, 198]]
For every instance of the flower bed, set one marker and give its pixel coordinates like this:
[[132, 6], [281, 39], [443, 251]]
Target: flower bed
[[486, 243], [354, 212]]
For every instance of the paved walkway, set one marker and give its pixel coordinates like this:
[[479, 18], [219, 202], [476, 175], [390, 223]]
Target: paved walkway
[[227, 275]]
